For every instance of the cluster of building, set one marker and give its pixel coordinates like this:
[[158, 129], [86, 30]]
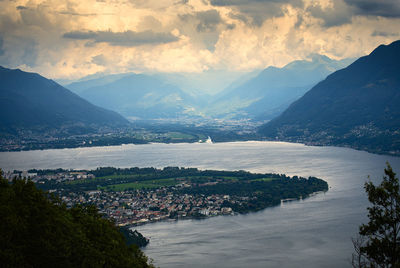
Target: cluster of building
[[143, 206], [58, 177], [137, 206], [10, 175]]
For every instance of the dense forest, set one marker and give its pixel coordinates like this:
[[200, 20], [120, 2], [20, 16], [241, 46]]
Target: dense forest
[[261, 193], [107, 177], [37, 230]]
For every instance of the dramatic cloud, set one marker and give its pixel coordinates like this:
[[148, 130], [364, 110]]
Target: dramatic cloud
[[335, 15], [253, 2], [208, 20], [384, 34], [69, 38], [127, 38], [384, 8], [76, 14], [81, 35], [257, 10], [203, 28]]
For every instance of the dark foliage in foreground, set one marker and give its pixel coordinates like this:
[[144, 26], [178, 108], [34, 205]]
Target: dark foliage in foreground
[[378, 244], [134, 237], [37, 230]]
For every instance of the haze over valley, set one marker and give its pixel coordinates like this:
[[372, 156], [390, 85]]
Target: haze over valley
[[141, 108]]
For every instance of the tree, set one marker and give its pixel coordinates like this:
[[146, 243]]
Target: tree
[[37, 230], [378, 244]]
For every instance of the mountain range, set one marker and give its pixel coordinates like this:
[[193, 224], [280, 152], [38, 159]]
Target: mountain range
[[358, 106], [29, 101], [270, 92], [256, 95], [137, 96]]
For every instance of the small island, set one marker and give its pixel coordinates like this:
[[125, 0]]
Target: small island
[[134, 196]]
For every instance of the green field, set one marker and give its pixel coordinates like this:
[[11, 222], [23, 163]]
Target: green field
[[152, 183], [178, 136], [111, 177], [114, 179], [265, 179], [141, 185]]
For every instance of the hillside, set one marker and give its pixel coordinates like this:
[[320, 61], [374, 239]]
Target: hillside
[[37, 230], [358, 106], [138, 96], [272, 90], [93, 81], [29, 101]]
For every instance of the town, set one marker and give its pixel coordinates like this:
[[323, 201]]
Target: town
[[142, 206], [138, 132], [138, 196]]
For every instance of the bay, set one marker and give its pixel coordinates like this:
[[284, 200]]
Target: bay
[[314, 232]]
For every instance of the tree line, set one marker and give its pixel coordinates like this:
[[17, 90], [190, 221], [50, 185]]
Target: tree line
[[37, 230]]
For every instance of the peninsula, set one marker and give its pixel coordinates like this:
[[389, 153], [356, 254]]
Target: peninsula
[[134, 196]]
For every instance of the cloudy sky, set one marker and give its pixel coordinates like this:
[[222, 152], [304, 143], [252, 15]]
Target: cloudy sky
[[73, 38]]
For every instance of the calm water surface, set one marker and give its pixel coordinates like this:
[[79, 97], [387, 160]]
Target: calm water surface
[[315, 232]]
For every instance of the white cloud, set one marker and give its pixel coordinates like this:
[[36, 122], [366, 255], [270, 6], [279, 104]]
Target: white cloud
[[69, 39]]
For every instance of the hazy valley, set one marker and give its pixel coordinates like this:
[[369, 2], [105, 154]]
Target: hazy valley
[[351, 107]]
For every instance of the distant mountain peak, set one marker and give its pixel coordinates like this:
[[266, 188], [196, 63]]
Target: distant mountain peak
[[315, 57], [273, 89], [136, 95], [358, 106], [311, 61]]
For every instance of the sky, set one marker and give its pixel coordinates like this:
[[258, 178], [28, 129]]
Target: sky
[[70, 39]]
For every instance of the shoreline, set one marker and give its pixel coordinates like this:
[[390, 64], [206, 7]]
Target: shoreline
[[208, 141], [232, 214]]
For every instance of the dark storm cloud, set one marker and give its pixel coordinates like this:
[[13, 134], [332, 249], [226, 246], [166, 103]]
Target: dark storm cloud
[[81, 35], [209, 20], [250, 2], [231, 26], [258, 13], [21, 8], [78, 14], [257, 10], [299, 21], [383, 8], [336, 15], [127, 39], [238, 16], [205, 21], [384, 34], [204, 27], [182, 2]]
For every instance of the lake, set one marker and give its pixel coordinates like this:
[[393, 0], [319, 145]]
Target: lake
[[314, 232]]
